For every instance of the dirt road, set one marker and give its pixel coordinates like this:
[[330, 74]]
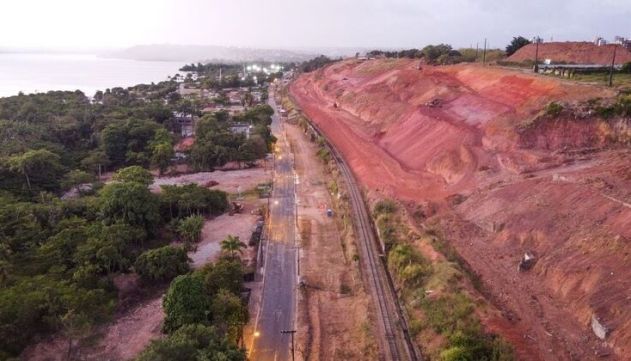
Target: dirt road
[[334, 319]]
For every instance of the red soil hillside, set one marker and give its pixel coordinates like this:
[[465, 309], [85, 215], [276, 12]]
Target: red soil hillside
[[573, 53], [556, 187]]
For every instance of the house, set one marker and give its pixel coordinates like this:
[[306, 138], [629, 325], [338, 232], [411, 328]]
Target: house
[[242, 129], [234, 97], [231, 109], [210, 108], [186, 123]]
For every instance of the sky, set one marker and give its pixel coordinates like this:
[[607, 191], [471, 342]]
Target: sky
[[305, 23]]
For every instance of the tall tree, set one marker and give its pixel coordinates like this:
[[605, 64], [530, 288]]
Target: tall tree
[[161, 156], [40, 168], [517, 43], [131, 203]]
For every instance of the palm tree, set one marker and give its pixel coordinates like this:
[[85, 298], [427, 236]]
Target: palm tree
[[232, 244]]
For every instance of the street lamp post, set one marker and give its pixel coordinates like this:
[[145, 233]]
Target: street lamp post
[[291, 332]]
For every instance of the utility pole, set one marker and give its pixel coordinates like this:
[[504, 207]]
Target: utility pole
[[477, 48], [291, 332], [613, 63], [484, 53], [536, 54]]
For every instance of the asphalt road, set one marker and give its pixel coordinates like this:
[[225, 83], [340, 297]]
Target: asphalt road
[[279, 273]]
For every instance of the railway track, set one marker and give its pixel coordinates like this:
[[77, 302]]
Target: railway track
[[396, 344]]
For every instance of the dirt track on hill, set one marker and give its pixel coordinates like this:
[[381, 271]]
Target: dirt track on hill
[[557, 190]]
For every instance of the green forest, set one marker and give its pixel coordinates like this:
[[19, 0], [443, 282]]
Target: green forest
[[59, 255]]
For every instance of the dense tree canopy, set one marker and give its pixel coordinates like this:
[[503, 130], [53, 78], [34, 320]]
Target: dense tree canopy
[[186, 303], [315, 63], [131, 203], [190, 199], [193, 342], [65, 236], [162, 264], [134, 174]]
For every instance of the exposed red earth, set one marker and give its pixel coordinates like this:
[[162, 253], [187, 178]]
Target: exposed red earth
[[583, 52], [556, 188]]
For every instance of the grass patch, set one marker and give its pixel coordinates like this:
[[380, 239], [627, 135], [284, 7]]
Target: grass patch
[[602, 78], [443, 313], [553, 109], [384, 206], [408, 265], [452, 316], [324, 154], [445, 275]]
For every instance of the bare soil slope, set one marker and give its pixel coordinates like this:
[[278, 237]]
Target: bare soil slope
[[574, 53], [556, 188]]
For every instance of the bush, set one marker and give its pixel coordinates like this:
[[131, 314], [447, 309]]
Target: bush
[[315, 63], [183, 201], [190, 229], [162, 264], [553, 109], [37, 305], [192, 342], [409, 266], [135, 174], [229, 314], [384, 206], [324, 154], [626, 68], [224, 274], [387, 231], [131, 203], [185, 303]]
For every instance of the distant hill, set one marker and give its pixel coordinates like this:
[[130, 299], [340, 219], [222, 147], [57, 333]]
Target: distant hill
[[195, 53], [573, 53]]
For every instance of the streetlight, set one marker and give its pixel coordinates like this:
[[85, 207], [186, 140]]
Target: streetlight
[[291, 332], [257, 334]]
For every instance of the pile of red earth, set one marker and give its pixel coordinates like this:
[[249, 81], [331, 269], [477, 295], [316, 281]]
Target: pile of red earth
[[573, 53], [557, 189]]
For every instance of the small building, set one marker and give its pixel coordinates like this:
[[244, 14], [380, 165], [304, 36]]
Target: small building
[[186, 123], [210, 108], [234, 97], [621, 40], [241, 129]]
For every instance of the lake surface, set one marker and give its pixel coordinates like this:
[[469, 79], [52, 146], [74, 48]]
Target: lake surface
[[32, 73]]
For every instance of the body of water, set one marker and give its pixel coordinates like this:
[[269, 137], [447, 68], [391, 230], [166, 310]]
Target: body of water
[[30, 73]]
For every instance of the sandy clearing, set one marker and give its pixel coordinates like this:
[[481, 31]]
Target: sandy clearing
[[228, 181], [216, 230]]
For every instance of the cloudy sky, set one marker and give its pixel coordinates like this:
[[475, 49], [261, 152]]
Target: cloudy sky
[[304, 23]]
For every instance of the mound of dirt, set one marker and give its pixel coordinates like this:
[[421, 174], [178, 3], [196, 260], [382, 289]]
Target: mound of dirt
[[552, 187], [573, 53]]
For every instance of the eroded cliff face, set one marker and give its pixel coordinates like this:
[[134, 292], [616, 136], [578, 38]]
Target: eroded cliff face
[[558, 186]]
